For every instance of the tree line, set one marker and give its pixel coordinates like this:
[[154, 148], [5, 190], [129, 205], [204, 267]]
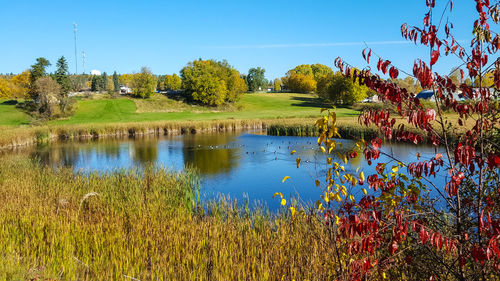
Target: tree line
[[207, 82]]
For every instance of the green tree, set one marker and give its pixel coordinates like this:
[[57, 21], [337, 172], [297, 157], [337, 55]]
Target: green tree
[[172, 82], [143, 83], [94, 86], [103, 83], [62, 75], [37, 70], [338, 89], [116, 82], [256, 79], [320, 70], [212, 82], [62, 78]]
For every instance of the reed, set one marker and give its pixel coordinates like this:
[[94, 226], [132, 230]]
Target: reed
[[145, 224], [23, 136]]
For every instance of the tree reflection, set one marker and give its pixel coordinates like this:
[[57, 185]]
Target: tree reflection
[[144, 151], [64, 155], [210, 154]]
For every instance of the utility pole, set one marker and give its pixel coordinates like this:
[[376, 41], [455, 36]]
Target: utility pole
[[76, 58], [83, 61]]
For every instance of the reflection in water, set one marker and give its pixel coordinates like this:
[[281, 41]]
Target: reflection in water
[[229, 163], [210, 154], [144, 151], [57, 156]]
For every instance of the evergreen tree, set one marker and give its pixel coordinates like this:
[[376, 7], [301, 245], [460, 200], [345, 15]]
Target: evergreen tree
[[116, 82], [93, 85], [37, 71], [62, 75], [103, 85]]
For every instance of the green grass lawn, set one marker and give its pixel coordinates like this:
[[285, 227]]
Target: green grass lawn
[[11, 116], [252, 106]]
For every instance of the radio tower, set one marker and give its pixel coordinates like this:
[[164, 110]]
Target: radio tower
[[83, 61], [76, 58]]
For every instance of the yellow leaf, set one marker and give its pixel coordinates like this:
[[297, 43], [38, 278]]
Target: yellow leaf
[[325, 197], [362, 176], [344, 191], [292, 152], [395, 169], [344, 158], [352, 198], [323, 149], [337, 197], [337, 219], [354, 181], [329, 161], [364, 191], [292, 211], [342, 168], [298, 162], [283, 202], [335, 165], [332, 196], [278, 193], [285, 178], [319, 205]]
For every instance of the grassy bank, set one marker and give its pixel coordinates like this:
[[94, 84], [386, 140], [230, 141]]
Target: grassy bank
[[13, 137], [161, 108], [121, 225], [12, 116]]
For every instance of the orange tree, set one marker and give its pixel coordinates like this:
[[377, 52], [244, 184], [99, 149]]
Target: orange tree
[[394, 231]]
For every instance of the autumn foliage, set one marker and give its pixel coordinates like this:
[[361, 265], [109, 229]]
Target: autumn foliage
[[395, 231]]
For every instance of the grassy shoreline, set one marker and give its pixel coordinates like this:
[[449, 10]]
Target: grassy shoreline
[[58, 225]]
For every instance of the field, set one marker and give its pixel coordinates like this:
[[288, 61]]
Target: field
[[10, 115], [252, 106]]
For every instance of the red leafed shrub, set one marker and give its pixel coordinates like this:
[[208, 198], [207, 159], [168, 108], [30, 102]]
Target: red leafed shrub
[[394, 231]]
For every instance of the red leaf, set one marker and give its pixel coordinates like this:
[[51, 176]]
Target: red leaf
[[451, 6], [393, 72], [368, 57], [434, 57], [384, 66]]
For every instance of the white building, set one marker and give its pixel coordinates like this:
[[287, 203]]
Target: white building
[[95, 72]]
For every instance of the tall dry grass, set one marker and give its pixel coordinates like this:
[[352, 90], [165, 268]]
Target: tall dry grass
[[143, 224]]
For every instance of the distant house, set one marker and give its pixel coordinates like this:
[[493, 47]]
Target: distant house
[[124, 90], [371, 99], [95, 72]]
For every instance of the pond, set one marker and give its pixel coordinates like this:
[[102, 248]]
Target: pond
[[242, 166]]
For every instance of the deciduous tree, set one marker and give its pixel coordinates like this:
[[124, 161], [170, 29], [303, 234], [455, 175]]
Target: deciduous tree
[[143, 83], [212, 82], [256, 80], [172, 82]]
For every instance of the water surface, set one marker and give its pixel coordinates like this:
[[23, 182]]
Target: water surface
[[242, 166]]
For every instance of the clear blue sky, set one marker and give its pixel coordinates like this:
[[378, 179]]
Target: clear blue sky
[[164, 35]]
